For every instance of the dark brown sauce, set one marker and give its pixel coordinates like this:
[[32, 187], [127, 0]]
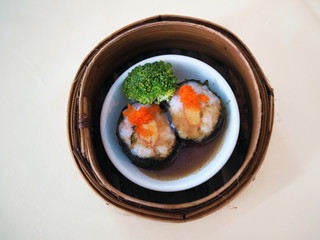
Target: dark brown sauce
[[189, 159]]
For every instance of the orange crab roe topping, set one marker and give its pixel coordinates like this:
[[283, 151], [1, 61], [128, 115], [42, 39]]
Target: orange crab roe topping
[[190, 99], [140, 117]]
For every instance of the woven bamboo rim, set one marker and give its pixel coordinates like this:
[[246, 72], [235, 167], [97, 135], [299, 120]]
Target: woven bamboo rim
[[86, 94]]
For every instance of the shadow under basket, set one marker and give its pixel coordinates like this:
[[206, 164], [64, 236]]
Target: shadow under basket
[[154, 36]]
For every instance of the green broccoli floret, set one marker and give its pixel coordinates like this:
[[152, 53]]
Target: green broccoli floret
[[150, 83]]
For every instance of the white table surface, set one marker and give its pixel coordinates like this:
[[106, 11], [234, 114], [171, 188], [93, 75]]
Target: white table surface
[[43, 195]]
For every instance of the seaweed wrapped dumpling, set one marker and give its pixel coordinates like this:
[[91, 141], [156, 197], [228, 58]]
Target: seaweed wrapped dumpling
[[145, 135], [195, 112]]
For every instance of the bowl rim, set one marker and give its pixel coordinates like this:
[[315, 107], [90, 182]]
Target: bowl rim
[[230, 138]]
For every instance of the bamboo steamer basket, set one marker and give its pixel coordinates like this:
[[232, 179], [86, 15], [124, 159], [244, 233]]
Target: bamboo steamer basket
[[169, 34]]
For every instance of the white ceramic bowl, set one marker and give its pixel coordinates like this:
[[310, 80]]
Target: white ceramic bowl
[[184, 68]]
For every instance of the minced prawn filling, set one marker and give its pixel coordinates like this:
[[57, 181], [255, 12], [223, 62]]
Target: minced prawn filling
[[195, 110], [146, 131]]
